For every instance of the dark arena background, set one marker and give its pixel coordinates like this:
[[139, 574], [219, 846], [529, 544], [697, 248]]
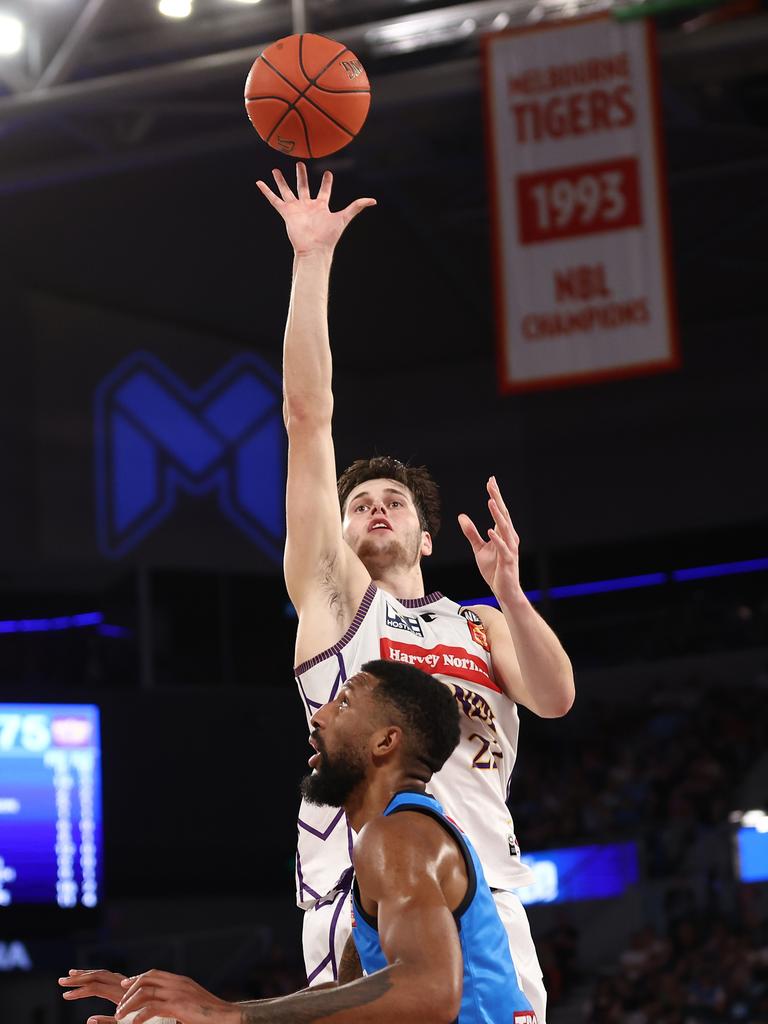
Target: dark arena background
[[151, 735]]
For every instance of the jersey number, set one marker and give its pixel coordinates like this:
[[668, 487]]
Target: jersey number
[[488, 756]]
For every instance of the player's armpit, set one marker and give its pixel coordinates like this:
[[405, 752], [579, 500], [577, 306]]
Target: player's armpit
[[324, 578]]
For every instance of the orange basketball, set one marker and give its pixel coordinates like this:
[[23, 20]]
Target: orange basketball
[[307, 96]]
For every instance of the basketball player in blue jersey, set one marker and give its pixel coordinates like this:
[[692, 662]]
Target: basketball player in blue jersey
[[355, 580], [426, 932]]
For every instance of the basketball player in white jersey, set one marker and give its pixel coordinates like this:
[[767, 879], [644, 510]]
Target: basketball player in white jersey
[[356, 583]]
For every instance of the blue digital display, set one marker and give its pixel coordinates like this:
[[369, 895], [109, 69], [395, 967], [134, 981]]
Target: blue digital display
[[50, 805], [580, 873], [753, 855]]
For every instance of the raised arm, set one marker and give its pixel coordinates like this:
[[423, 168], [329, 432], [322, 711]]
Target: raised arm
[[325, 580], [530, 663]]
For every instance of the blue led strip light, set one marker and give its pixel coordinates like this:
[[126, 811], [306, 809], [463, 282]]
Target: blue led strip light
[[61, 622], [49, 625], [724, 569], [651, 579]]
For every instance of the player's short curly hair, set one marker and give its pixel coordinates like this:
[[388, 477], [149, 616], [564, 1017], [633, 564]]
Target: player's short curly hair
[[423, 706], [417, 479]]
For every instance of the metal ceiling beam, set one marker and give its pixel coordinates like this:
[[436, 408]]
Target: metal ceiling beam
[[739, 44], [299, 16], [195, 71], [66, 57]]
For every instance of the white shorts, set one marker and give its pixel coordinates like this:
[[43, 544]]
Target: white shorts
[[328, 924]]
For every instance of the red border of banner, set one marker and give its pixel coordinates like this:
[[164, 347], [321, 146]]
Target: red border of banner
[[672, 362]]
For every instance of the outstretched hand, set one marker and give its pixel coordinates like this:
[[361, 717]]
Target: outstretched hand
[[160, 994], [310, 224], [498, 557], [92, 984]]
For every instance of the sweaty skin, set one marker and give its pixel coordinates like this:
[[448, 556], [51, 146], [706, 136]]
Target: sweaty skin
[[411, 877]]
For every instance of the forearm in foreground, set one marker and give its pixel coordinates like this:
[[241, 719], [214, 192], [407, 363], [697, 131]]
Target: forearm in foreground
[[395, 993]]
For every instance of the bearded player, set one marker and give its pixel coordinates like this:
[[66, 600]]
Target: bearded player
[[357, 586], [426, 931]]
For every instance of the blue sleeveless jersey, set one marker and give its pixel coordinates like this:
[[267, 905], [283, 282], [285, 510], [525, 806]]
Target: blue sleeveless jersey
[[491, 993]]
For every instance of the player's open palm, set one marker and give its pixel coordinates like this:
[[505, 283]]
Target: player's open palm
[[498, 557], [310, 224]]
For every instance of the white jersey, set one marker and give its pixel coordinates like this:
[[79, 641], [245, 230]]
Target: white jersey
[[447, 641]]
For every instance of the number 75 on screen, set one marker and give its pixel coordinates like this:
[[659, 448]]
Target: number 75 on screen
[[24, 732]]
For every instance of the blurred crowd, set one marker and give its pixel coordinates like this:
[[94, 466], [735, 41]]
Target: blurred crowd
[[665, 773], [705, 970]]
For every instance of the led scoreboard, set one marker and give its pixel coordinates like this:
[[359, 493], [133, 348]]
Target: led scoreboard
[[50, 806]]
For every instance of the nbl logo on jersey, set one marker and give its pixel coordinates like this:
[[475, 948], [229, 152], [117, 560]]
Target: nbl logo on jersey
[[524, 1017], [408, 622], [476, 627]]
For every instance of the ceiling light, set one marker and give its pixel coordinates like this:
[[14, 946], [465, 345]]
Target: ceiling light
[[11, 35], [175, 8], [418, 32], [755, 819]]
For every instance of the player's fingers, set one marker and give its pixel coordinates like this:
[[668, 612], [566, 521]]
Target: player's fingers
[[86, 992], [356, 207], [471, 532], [503, 549], [138, 999], [95, 989], [326, 185], [503, 523], [101, 1020], [138, 995], [302, 181], [282, 186], [149, 1012], [76, 977], [269, 195], [495, 492]]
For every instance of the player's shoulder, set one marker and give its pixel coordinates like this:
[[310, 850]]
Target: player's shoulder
[[398, 838], [485, 614]]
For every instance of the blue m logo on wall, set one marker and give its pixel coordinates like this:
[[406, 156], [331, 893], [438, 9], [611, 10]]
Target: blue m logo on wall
[[156, 437]]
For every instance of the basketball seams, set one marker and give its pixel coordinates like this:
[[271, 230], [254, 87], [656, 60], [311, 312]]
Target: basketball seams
[[306, 132], [330, 117], [312, 81], [255, 99], [303, 125], [342, 92], [279, 74], [302, 94], [280, 99]]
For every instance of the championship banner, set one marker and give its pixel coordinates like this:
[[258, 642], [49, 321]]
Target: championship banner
[[583, 283]]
